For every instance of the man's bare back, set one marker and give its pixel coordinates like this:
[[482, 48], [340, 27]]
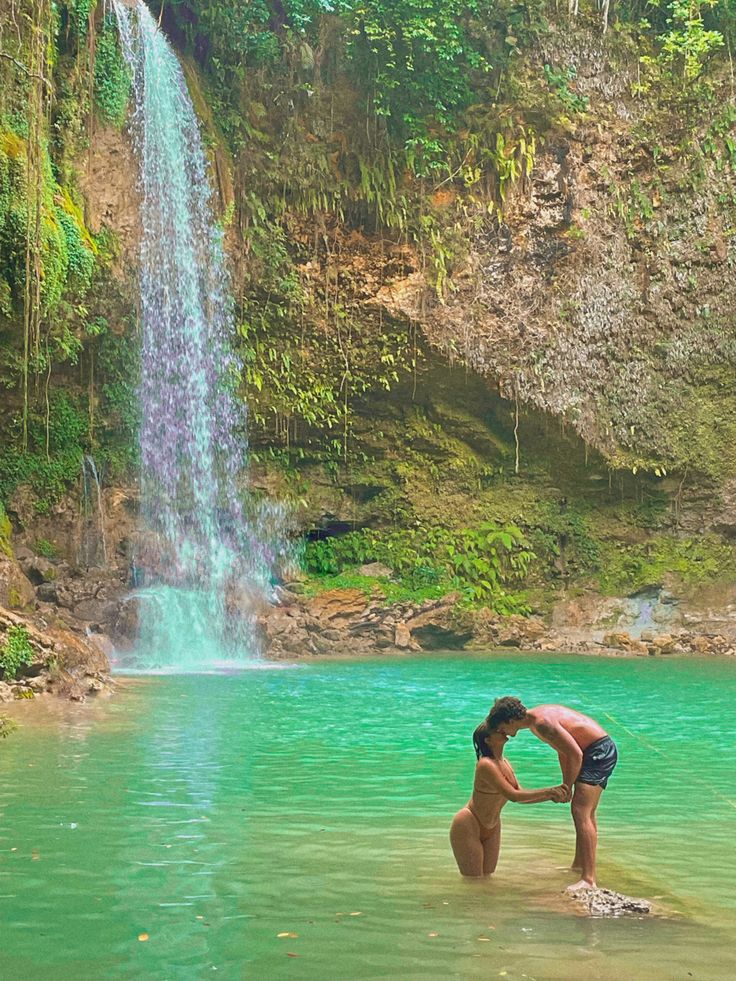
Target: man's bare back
[[582, 728]]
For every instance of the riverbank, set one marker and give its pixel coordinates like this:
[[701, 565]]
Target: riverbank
[[73, 621], [76, 626], [654, 623]]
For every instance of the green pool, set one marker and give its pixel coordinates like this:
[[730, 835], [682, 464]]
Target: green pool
[[210, 814]]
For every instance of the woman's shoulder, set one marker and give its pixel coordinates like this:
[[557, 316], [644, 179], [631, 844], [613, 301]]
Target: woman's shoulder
[[486, 764]]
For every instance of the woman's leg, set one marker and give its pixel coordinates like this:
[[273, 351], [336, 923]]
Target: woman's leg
[[491, 848], [466, 844]]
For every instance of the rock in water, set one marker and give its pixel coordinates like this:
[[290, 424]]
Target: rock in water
[[606, 902]]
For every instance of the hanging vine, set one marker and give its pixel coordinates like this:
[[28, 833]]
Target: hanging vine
[[36, 116]]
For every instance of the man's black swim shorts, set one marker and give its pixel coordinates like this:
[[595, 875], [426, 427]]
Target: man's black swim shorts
[[599, 759]]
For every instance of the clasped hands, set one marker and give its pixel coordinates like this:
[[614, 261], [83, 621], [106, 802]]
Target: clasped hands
[[561, 794]]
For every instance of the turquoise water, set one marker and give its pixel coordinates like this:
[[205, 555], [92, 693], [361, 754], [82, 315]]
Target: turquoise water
[[213, 813]]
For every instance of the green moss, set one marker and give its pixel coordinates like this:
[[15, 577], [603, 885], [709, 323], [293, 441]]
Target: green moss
[[6, 532], [665, 559], [46, 548], [112, 77], [67, 249], [48, 475], [389, 590]]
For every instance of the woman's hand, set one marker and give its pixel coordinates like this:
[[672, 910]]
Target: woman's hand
[[559, 794]]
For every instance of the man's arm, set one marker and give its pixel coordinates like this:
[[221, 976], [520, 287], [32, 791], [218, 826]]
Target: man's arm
[[570, 754], [506, 788]]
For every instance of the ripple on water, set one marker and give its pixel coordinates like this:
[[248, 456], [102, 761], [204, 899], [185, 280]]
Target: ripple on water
[[215, 812]]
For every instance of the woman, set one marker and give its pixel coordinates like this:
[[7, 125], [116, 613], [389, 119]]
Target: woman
[[475, 834]]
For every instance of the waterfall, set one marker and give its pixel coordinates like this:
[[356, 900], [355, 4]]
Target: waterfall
[[92, 538], [201, 561]]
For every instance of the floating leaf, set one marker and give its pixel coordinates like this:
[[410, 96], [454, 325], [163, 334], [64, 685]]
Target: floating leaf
[[355, 914], [143, 937], [433, 934], [287, 934]]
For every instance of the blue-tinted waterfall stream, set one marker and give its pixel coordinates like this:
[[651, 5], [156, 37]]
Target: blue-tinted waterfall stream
[[201, 560]]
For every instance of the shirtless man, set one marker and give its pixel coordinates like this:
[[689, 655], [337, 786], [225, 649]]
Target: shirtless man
[[587, 757], [475, 834]]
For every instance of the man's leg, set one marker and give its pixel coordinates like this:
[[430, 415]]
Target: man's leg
[[584, 804], [577, 864]]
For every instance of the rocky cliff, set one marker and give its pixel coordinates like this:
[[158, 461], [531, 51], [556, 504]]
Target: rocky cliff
[[521, 319]]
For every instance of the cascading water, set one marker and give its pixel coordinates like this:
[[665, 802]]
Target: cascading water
[[92, 538], [201, 563]]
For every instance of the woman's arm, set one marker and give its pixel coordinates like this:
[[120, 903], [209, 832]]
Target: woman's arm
[[495, 775], [556, 794]]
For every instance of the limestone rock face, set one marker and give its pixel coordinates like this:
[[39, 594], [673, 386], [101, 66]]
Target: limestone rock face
[[376, 569], [402, 635], [16, 591], [338, 603], [64, 663], [625, 642], [38, 569], [492, 630]]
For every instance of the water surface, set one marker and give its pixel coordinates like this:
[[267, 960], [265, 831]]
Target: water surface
[[213, 813]]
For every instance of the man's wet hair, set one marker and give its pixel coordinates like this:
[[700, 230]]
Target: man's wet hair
[[506, 709]]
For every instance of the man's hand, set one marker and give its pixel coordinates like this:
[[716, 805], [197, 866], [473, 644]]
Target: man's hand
[[560, 794], [567, 797]]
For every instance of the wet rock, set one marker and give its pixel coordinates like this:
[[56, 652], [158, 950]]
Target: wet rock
[[73, 591], [39, 569], [663, 644], [491, 630], [700, 644], [437, 626], [47, 593], [21, 506], [338, 603], [606, 902], [103, 643], [16, 591], [376, 570], [402, 636], [320, 645], [63, 661], [620, 640], [96, 611], [125, 627]]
